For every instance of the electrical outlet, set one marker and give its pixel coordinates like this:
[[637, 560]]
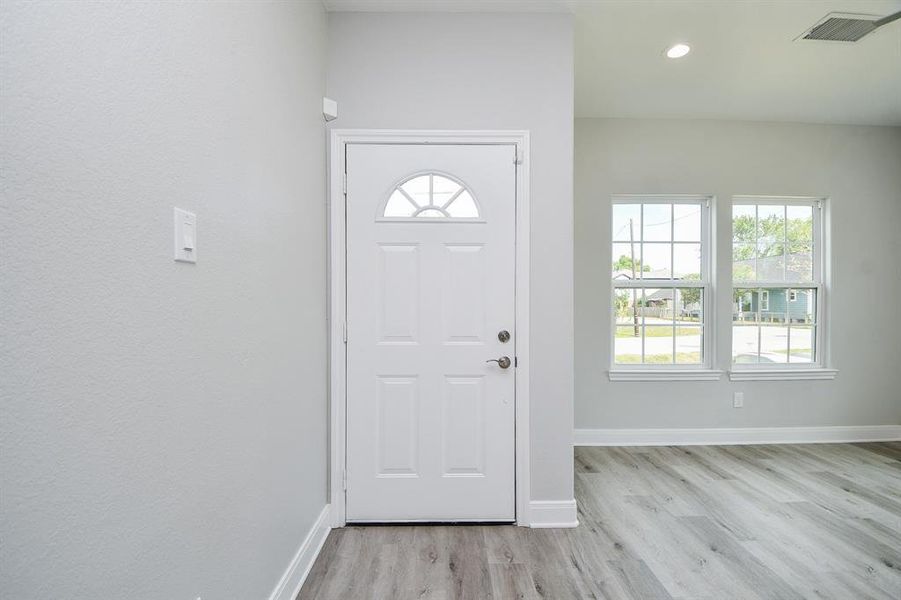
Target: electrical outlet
[[738, 399]]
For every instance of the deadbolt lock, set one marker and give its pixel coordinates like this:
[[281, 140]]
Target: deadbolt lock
[[503, 335]]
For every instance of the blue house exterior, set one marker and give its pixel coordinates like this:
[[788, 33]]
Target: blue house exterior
[[776, 305]]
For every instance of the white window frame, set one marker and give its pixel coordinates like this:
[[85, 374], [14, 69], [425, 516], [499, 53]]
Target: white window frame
[[761, 300], [672, 372], [820, 368]]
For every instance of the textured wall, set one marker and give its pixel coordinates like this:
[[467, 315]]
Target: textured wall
[[487, 71], [163, 424], [857, 167]]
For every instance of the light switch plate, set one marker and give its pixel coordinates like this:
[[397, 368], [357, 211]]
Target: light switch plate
[[185, 236]]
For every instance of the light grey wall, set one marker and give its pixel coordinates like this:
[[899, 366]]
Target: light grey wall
[[163, 424], [859, 168], [486, 71]]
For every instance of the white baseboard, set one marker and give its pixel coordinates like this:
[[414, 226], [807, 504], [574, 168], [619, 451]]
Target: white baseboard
[[289, 585], [553, 514], [736, 435]]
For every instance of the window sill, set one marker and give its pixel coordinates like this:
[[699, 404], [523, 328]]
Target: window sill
[[664, 375], [782, 374]]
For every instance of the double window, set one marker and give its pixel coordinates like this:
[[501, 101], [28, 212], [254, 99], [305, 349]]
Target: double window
[[663, 293]]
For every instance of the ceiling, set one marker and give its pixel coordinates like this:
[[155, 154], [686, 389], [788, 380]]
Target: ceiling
[[745, 63]]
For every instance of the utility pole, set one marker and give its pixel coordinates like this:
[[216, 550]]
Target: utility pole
[[634, 301]]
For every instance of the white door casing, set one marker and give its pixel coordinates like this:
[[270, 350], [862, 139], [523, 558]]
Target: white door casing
[[430, 425]]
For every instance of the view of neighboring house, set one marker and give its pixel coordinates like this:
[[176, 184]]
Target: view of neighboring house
[[625, 274], [660, 303], [775, 304]]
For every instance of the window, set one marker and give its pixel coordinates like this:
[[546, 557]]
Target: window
[[661, 283], [777, 273], [430, 196]]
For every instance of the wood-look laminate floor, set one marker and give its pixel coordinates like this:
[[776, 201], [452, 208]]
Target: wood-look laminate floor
[[701, 522]]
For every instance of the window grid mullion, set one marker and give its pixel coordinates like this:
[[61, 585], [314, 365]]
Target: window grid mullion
[[673, 359], [661, 283], [788, 322], [672, 248], [644, 331], [785, 242], [759, 328], [776, 285], [640, 249], [756, 241]]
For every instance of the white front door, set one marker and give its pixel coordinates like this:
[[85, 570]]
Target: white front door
[[430, 289]]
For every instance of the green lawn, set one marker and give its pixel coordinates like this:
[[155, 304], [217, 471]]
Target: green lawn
[[660, 359], [656, 331]]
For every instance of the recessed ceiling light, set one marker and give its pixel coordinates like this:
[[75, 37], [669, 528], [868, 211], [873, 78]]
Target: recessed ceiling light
[[678, 50]]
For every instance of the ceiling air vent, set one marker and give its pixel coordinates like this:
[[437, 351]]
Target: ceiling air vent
[[840, 27]]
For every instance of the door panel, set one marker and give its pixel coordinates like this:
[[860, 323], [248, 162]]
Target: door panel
[[430, 283], [397, 400], [463, 294], [398, 293], [463, 426]]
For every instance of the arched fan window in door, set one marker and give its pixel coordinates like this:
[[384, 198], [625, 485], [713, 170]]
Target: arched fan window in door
[[431, 196]]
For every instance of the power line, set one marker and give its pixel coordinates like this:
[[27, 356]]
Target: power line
[[623, 228]]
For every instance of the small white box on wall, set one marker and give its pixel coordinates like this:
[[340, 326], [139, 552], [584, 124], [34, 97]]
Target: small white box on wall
[[329, 109]]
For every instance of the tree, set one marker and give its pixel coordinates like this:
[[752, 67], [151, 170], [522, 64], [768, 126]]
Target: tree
[[772, 236], [742, 272], [624, 263], [622, 303], [690, 295]]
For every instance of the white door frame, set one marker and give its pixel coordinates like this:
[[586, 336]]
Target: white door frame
[[337, 296]]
